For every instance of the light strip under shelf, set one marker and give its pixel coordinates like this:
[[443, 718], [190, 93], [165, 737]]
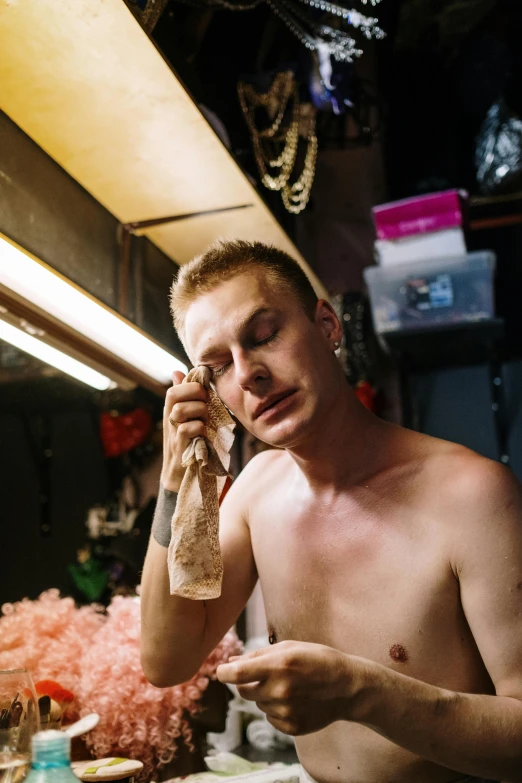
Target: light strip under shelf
[[49, 355], [36, 282]]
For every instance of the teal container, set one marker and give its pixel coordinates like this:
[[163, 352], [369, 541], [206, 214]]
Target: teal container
[[51, 758]]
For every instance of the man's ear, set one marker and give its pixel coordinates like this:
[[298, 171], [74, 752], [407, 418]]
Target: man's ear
[[326, 319]]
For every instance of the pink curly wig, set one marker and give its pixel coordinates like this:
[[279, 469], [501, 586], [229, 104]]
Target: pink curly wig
[[98, 657], [48, 636]]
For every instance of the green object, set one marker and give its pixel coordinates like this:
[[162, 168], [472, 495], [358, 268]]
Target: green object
[[90, 578], [51, 762], [94, 770]]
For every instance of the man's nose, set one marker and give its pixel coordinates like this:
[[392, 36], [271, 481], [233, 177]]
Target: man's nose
[[249, 372]]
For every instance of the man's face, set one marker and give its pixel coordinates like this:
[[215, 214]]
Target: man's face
[[271, 366]]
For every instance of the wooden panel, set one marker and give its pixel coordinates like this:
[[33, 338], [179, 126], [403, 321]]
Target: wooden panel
[[84, 81], [45, 211], [187, 238]]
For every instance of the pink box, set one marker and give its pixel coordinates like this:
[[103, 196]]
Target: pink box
[[419, 215]]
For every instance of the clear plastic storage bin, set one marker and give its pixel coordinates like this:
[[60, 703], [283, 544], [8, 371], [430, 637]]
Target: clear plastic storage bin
[[432, 293]]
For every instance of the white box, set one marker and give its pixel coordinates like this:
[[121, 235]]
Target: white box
[[421, 247]]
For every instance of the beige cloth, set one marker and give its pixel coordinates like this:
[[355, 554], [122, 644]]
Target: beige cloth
[[194, 557]]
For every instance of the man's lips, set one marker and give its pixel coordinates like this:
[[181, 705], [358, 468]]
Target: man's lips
[[271, 403]]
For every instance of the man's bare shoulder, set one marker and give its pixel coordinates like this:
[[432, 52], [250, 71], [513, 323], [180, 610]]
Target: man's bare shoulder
[[471, 492], [263, 472], [267, 467], [463, 474]]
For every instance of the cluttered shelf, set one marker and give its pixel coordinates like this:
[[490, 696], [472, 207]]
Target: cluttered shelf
[[446, 345], [270, 755], [433, 301], [487, 212]]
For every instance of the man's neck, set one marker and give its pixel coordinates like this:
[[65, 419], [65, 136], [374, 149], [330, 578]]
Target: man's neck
[[347, 444]]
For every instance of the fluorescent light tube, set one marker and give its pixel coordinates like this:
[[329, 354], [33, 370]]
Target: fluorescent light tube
[[39, 284], [49, 355]]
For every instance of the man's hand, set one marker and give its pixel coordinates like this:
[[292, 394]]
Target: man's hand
[[184, 417], [301, 687]]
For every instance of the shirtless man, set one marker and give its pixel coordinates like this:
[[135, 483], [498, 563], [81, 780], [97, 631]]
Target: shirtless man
[[390, 562]]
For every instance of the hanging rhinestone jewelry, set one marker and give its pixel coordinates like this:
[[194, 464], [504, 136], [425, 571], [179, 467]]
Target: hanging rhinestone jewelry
[[367, 24], [227, 5], [310, 31], [276, 145], [293, 24]]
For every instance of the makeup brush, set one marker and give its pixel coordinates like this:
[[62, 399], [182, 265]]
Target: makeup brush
[[44, 707]]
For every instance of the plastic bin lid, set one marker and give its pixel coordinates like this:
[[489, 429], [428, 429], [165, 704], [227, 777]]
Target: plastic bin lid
[[477, 260]]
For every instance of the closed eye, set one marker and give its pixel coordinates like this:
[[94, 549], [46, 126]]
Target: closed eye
[[217, 372], [266, 340]]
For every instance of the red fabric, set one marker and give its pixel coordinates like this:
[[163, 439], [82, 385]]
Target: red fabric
[[120, 434], [54, 690], [366, 394], [226, 487]]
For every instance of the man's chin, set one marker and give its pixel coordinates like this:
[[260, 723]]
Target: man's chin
[[283, 435]]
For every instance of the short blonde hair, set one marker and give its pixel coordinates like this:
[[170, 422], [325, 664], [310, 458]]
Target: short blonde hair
[[226, 259]]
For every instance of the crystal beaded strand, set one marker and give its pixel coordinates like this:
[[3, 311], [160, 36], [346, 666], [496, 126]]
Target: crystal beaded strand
[[224, 4], [341, 45], [307, 29], [300, 33], [367, 24]]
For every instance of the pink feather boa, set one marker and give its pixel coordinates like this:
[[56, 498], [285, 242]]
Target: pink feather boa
[[96, 656]]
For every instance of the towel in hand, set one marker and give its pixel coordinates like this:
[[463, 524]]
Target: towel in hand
[[194, 557]]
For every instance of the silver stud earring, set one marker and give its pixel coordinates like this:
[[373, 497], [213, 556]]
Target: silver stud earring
[[336, 345]]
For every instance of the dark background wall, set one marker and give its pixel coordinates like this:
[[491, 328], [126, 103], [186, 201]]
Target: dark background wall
[[35, 547], [456, 404]]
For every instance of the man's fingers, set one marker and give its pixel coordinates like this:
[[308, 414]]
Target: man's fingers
[[191, 429], [187, 411], [249, 655], [286, 726], [253, 654], [187, 392], [254, 691], [177, 377], [244, 671], [280, 717], [252, 666]]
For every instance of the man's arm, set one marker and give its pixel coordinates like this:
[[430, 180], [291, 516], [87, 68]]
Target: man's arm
[[474, 734], [304, 687], [477, 734], [177, 634]]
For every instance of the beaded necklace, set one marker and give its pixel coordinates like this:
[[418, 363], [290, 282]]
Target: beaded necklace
[[275, 168]]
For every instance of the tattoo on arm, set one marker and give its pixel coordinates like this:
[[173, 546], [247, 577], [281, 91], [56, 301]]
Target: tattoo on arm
[[162, 522]]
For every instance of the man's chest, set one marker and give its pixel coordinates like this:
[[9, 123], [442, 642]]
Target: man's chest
[[380, 591]]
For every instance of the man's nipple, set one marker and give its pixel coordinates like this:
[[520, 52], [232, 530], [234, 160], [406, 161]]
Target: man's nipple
[[398, 653]]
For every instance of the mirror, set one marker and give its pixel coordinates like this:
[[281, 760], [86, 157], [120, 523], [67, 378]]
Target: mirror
[[80, 470]]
